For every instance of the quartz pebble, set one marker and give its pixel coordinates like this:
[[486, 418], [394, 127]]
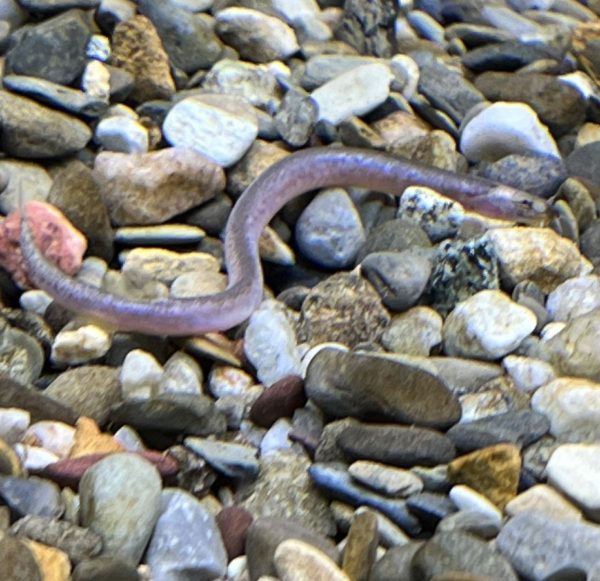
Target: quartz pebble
[[487, 326], [504, 128]]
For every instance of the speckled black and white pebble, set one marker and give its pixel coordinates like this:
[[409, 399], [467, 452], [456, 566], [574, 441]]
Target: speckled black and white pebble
[[417, 397]]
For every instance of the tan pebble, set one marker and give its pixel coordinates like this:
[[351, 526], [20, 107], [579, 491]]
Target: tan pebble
[[54, 565], [493, 472], [90, 440], [298, 561], [361, 546]]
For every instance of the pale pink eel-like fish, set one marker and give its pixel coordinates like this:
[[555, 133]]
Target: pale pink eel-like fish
[[294, 175]]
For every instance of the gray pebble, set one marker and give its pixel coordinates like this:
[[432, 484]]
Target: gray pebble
[[233, 460], [329, 230], [54, 49], [32, 131], [120, 500], [178, 552], [399, 277], [540, 547], [31, 496]]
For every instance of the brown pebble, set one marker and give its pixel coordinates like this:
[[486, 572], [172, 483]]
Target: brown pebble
[[278, 401], [233, 522], [493, 472], [69, 472], [361, 546]]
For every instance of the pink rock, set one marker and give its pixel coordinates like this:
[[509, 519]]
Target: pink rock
[[53, 234]]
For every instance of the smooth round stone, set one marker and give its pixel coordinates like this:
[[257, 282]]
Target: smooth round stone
[[415, 332], [399, 277], [394, 482], [364, 386], [13, 424], [573, 408], [233, 460], [396, 445], [225, 380], [269, 326], [528, 374], [140, 375], [541, 548], [356, 92], [342, 297], [487, 325], [329, 231], [536, 254], [574, 469], [105, 569], [517, 427], [181, 374], [121, 133], [120, 500], [89, 390], [193, 550], [191, 43], [256, 83], [221, 127], [559, 105], [583, 162], [572, 349], [574, 297], [503, 129], [22, 355], [35, 496], [460, 552], [277, 401], [266, 534], [296, 560], [255, 35], [544, 499], [56, 437], [467, 499]]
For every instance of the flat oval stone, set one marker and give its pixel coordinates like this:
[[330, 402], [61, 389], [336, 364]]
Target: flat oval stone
[[396, 445], [517, 427], [367, 387]]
